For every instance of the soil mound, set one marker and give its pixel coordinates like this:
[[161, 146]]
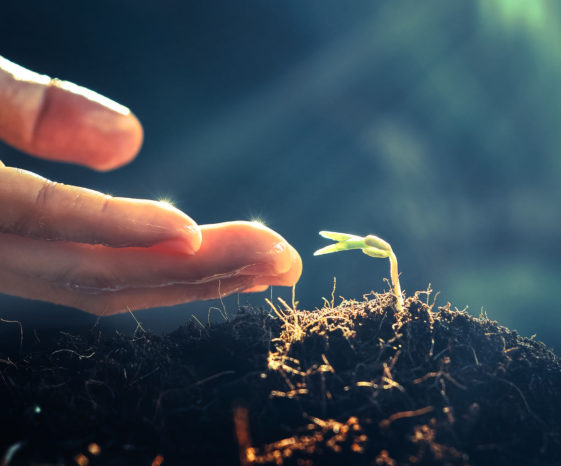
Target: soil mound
[[354, 384]]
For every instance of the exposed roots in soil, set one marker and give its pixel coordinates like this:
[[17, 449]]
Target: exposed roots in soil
[[358, 383]]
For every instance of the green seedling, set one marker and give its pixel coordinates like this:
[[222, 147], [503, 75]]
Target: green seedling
[[372, 246]]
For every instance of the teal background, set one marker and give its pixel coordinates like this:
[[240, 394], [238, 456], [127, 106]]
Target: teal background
[[435, 125]]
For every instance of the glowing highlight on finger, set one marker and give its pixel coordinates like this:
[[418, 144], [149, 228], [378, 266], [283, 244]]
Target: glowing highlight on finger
[[23, 74], [166, 201], [259, 220], [91, 95]]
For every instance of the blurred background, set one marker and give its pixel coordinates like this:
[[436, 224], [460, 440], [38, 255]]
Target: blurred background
[[435, 125]]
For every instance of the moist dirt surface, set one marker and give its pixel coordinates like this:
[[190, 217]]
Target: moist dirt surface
[[353, 384]]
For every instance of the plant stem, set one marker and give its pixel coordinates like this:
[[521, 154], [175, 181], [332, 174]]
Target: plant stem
[[395, 280]]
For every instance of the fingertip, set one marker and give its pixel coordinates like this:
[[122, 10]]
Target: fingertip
[[281, 258], [295, 271], [194, 236], [122, 145], [292, 274], [80, 126], [288, 264], [187, 241], [289, 278], [186, 229], [283, 270]]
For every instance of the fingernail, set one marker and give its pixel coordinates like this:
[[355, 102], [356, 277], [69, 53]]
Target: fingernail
[[276, 262], [195, 238], [191, 230]]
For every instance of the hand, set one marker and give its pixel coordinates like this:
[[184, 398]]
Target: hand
[[103, 254]]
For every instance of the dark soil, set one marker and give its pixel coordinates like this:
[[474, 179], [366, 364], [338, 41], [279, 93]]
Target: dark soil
[[352, 384]]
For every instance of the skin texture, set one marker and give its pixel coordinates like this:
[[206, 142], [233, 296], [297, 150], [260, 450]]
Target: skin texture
[[102, 254]]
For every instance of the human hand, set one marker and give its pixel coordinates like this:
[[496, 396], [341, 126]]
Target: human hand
[[102, 254]]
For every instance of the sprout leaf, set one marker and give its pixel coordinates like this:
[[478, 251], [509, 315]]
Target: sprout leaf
[[370, 245]]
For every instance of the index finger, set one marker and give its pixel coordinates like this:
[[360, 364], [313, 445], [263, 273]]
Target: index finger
[[59, 120], [35, 207]]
